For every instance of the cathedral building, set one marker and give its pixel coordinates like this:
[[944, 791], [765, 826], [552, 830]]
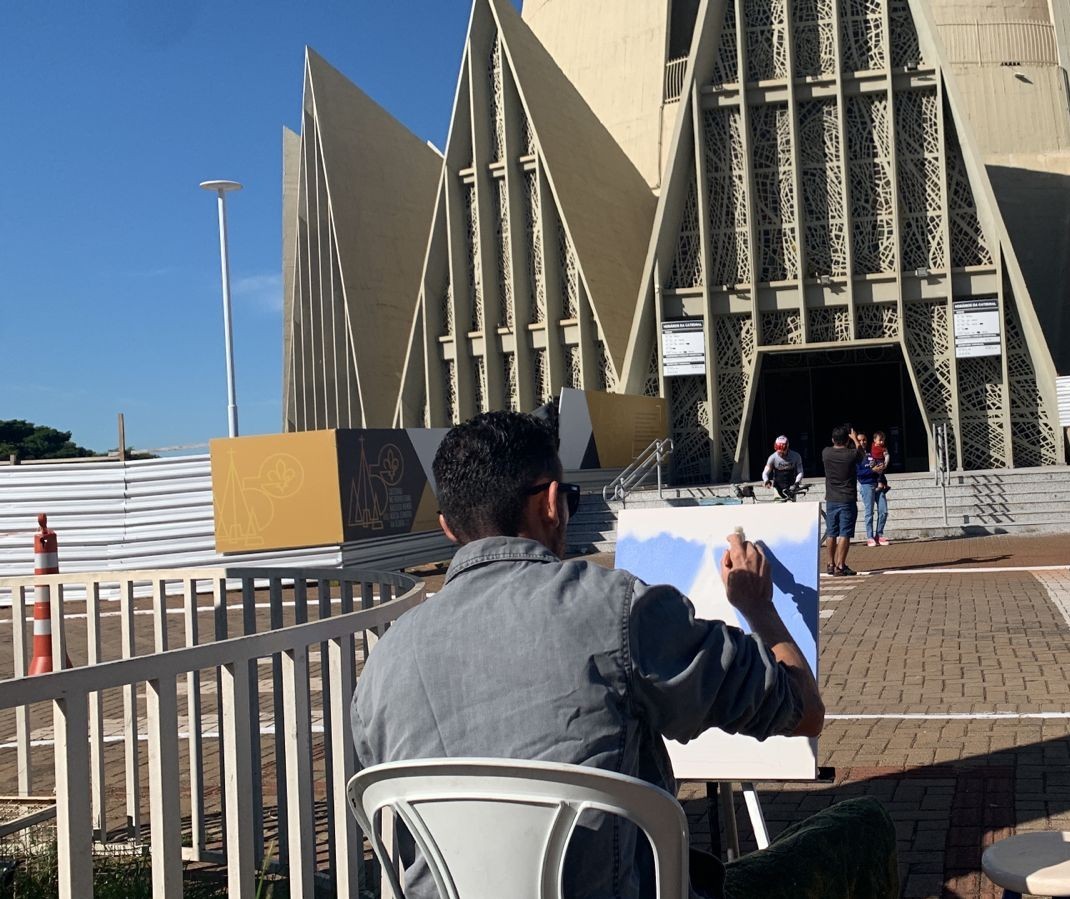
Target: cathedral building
[[777, 214]]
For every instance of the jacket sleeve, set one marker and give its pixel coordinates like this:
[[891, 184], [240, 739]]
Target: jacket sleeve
[[689, 675]]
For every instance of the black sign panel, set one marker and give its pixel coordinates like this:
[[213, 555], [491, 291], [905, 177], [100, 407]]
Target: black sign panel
[[382, 483]]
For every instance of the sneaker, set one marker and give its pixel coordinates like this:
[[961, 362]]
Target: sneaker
[[871, 542], [883, 542], [844, 571]]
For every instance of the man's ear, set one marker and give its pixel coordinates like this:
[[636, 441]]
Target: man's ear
[[452, 537], [551, 508]]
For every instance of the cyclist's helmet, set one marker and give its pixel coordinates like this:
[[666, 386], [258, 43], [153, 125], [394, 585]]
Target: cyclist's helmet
[[781, 443]]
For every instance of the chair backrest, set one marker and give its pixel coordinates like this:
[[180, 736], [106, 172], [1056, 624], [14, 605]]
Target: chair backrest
[[497, 827]]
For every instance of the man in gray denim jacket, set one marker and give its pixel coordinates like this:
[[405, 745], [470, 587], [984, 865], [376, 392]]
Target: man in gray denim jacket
[[523, 655]]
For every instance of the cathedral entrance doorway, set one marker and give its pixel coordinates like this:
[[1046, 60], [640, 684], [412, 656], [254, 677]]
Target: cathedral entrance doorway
[[805, 395]]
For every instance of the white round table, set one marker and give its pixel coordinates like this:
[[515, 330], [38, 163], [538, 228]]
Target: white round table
[[1035, 863]]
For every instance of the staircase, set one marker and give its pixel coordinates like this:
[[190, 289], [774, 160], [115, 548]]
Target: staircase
[[1003, 501]]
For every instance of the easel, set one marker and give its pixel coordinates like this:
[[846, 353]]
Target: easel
[[721, 805]]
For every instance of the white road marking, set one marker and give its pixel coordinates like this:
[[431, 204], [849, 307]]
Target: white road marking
[[834, 593], [955, 716]]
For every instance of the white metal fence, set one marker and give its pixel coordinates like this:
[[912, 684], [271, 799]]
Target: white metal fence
[[209, 783]]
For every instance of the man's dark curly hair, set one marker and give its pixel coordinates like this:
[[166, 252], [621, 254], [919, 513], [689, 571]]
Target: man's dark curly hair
[[483, 466]]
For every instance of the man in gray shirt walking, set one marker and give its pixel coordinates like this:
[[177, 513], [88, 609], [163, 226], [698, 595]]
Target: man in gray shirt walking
[[523, 655]]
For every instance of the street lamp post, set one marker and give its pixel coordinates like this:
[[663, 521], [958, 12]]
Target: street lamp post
[[221, 188]]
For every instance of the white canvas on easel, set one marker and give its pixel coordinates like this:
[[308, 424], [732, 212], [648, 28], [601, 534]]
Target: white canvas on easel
[[683, 547]]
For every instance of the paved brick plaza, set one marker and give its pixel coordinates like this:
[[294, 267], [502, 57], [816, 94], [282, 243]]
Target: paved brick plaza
[[926, 634]]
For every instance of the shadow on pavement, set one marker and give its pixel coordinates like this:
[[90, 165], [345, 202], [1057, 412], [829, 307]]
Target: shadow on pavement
[[945, 814], [921, 566]]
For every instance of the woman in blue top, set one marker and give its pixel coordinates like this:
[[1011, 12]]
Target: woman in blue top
[[868, 472]]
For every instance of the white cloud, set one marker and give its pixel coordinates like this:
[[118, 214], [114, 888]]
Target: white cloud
[[263, 290], [710, 525]]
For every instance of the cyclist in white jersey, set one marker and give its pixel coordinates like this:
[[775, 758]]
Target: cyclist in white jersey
[[784, 469]]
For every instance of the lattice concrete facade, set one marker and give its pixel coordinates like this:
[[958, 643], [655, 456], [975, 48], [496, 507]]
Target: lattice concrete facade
[[820, 188], [821, 191]]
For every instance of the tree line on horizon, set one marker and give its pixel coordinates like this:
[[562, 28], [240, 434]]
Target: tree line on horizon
[[26, 440]]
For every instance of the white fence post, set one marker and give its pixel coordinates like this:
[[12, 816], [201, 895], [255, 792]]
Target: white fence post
[[255, 759], [348, 851], [328, 689], [96, 711], [130, 714], [238, 781], [193, 715], [74, 830], [281, 722], [22, 713], [165, 811], [298, 774]]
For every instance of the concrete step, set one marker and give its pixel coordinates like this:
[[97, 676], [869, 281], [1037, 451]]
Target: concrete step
[[1033, 500]]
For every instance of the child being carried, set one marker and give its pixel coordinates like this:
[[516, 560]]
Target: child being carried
[[879, 451]]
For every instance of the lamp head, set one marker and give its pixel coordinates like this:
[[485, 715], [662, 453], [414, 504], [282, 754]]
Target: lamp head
[[223, 186]]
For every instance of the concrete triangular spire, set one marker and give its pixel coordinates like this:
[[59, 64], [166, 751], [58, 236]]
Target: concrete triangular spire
[[606, 206], [532, 265], [381, 183]]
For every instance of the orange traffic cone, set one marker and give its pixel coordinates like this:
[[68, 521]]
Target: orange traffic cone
[[46, 561]]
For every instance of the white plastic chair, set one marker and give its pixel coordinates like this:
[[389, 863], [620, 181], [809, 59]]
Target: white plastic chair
[[494, 828]]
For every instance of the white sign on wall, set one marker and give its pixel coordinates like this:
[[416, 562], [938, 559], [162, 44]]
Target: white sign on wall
[[1062, 392], [977, 327], [683, 347]]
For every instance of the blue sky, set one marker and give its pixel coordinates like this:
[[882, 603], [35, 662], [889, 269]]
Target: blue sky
[[109, 253]]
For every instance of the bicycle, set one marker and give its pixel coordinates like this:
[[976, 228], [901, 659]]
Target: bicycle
[[789, 494]]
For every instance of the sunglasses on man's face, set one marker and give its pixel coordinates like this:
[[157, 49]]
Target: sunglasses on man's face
[[571, 492]]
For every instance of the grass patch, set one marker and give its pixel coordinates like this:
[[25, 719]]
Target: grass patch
[[31, 873]]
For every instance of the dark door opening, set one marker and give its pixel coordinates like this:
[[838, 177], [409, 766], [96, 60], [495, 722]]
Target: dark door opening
[[805, 395]]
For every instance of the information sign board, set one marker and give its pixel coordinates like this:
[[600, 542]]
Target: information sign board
[[977, 327], [683, 347]]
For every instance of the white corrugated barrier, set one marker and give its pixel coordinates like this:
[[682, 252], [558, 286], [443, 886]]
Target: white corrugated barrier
[[152, 513]]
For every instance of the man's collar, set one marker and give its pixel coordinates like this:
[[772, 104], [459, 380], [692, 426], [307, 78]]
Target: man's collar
[[498, 549]]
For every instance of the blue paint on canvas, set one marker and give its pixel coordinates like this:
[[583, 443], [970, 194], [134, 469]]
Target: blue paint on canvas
[[668, 559], [661, 560]]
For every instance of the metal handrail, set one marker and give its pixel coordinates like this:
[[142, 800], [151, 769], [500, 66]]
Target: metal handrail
[[634, 475], [675, 70], [943, 462]]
